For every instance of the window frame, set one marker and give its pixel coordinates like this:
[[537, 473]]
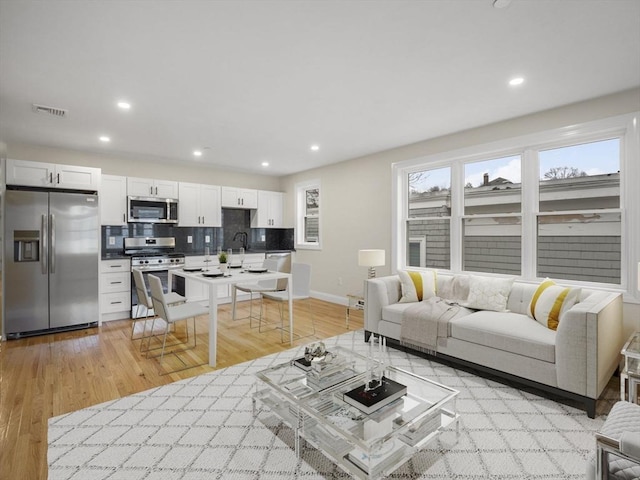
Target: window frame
[[301, 215], [624, 127]]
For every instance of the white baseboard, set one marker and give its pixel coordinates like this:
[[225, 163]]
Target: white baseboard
[[327, 297]]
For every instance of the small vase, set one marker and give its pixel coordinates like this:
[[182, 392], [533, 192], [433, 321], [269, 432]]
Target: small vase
[[223, 268]]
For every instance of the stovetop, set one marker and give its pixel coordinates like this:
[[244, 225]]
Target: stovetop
[[158, 260]]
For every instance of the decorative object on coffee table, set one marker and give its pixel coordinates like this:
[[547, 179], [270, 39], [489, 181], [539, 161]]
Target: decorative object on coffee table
[[377, 390]]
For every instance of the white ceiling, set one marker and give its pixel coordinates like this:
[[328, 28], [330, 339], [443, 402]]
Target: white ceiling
[[264, 80]]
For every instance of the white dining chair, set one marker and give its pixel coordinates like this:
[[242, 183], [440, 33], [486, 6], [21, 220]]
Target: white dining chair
[[173, 313], [256, 288], [301, 285], [144, 301]]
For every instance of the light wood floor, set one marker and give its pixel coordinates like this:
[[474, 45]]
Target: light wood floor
[[46, 376]]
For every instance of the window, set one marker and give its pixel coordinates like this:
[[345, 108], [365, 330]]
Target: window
[[308, 215], [492, 223], [562, 203], [580, 238], [429, 214]]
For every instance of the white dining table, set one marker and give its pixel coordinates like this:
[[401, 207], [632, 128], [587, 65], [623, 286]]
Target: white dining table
[[231, 278]]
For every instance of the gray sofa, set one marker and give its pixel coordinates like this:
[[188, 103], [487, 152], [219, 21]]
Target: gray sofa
[[575, 362]]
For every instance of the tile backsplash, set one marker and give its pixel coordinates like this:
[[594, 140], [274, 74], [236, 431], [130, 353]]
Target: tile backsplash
[[234, 220]]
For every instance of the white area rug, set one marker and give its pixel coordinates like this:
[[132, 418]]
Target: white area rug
[[203, 428]]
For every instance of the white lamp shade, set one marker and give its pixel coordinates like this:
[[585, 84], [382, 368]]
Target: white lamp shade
[[370, 258]]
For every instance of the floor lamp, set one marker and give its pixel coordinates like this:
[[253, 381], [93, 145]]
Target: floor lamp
[[371, 258]]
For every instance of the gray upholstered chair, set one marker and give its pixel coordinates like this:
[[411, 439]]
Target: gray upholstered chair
[[257, 288], [618, 445], [173, 313], [301, 285], [144, 300]]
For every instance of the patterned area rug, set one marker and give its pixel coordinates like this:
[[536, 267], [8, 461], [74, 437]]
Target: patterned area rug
[[203, 427]]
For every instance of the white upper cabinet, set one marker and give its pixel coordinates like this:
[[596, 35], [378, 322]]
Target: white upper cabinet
[[270, 210], [210, 205], [113, 200], [148, 187], [199, 205], [233, 197], [37, 174]]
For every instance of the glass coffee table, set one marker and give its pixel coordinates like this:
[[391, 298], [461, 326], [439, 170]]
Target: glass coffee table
[[630, 375], [366, 445]]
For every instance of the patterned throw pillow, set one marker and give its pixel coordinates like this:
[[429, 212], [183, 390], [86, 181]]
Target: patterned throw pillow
[[550, 302], [488, 293], [417, 286]]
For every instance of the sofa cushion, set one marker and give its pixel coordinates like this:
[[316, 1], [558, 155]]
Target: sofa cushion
[[393, 313], [488, 293], [417, 285], [550, 301], [511, 332]]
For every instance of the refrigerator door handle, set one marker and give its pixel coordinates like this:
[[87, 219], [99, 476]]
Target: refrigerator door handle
[[44, 229], [52, 249]]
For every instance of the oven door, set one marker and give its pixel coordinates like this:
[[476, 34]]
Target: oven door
[[152, 210], [176, 286]]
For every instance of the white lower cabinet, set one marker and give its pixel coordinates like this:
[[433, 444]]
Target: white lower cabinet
[[115, 289]]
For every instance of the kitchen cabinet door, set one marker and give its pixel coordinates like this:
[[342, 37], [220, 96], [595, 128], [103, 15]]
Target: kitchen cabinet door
[[188, 204], [165, 189], [148, 187], [270, 210], [233, 197], [113, 200], [75, 177], [210, 210], [199, 205], [38, 174], [30, 174], [139, 187]]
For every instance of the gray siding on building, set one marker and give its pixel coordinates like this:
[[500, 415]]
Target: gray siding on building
[[586, 258], [492, 254]]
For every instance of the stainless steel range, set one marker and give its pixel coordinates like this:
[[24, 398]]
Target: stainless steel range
[[156, 256]]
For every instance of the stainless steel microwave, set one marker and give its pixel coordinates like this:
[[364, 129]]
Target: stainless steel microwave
[[152, 210]]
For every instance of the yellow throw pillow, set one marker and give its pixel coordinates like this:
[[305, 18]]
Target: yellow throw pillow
[[417, 285], [550, 302]]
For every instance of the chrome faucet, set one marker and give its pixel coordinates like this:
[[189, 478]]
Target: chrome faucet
[[244, 239]]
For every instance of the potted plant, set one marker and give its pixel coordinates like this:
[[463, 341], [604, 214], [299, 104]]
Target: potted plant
[[222, 259]]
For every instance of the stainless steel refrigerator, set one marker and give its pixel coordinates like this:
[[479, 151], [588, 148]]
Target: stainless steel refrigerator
[[51, 255]]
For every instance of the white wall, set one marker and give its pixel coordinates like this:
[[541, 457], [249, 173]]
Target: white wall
[[356, 194], [131, 166]]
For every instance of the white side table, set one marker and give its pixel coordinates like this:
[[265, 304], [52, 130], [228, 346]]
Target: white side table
[[631, 372]]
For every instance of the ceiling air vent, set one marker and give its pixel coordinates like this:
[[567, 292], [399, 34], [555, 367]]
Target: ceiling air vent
[[56, 112]]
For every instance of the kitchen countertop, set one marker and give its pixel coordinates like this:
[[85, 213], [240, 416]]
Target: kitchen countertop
[[121, 255]]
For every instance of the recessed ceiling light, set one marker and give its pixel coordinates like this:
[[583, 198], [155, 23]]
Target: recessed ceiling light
[[516, 81], [124, 105], [265, 164], [197, 153], [315, 148], [105, 139], [501, 3]]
